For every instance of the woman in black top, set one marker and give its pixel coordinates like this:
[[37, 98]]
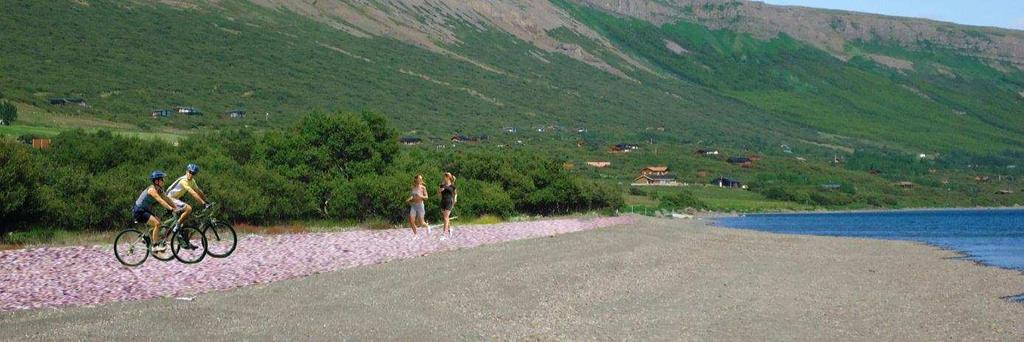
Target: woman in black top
[[449, 195]]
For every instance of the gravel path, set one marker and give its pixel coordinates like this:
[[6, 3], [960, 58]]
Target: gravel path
[[67, 276], [649, 280]]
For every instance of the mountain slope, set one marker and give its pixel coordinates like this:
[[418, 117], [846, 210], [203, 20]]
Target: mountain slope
[[732, 73]]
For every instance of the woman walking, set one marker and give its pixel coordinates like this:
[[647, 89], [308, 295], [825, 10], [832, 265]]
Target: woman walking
[[449, 195], [416, 209]]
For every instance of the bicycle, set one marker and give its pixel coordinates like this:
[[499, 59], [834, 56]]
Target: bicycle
[[221, 239], [133, 246]]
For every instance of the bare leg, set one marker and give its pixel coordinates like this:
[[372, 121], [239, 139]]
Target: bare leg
[[155, 222], [447, 224], [184, 214], [412, 223]]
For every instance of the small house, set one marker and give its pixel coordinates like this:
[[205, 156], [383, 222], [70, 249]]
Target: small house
[[739, 160], [160, 113], [409, 141], [705, 152], [656, 175], [723, 182], [40, 143], [654, 170], [600, 164], [665, 179], [461, 138], [235, 114], [624, 148], [982, 179], [905, 185], [63, 101], [831, 186], [188, 111], [509, 130]]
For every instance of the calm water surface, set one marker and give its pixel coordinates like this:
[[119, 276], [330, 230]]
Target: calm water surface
[[992, 237]]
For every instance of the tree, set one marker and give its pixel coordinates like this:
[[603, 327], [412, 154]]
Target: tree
[[20, 177], [8, 113]]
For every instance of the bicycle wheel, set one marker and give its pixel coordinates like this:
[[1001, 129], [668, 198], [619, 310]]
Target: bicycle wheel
[[220, 239], [189, 245], [131, 247]]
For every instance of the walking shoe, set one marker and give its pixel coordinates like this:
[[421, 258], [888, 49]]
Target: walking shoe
[[160, 248]]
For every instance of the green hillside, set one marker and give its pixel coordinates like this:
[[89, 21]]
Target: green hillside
[[683, 86], [127, 58]]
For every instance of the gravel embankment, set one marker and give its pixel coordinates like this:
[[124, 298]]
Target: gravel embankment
[[644, 280], [63, 276]]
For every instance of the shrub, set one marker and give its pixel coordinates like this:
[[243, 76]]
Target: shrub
[[679, 200], [8, 113], [20, 177]]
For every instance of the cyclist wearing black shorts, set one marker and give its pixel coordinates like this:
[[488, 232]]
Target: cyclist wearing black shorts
[[153, 194]]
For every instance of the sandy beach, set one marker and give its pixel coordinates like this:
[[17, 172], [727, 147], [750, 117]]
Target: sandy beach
[[648, 279]]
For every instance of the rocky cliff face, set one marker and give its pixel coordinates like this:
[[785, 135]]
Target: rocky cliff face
[[429, 24], [827, 29]]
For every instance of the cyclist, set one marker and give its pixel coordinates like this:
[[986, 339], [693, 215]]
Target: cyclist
[[153, 194], [183, 184]]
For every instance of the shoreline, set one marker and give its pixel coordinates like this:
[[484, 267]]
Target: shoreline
[[875, 210], [961, 254]]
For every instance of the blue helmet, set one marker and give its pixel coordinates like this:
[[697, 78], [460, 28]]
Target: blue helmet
[[156, 175], [193, 168]]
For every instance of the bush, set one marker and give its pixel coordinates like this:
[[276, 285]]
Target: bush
[[637, 191], [785, 193], [8, 113], [680, 200], [20, 177], [337, 166]]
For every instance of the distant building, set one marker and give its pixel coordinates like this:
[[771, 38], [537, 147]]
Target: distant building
[[666, 179], [723, 182], [410, 140], [41, 143], [600, 164], [509, 130], [463, 138], [160, 113], [235, 114], [624, 148], [739, 160], [188, 111], [905, 185], [656, 175], [63, 101], [707, 152], [654, 170], [831, 186]]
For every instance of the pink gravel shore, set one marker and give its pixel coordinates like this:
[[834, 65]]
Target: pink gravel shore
[[63, 276]]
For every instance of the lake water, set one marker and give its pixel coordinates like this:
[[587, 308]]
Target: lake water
[[992, 237]]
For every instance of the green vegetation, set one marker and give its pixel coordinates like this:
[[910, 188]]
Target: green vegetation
[[340, 167], [680, 87], [8, 113], [924, 109]]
